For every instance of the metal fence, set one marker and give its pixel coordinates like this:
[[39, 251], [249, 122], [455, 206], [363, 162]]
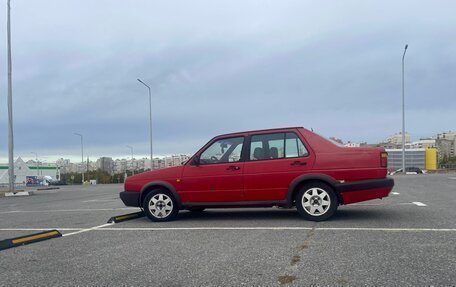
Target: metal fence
[[5, 186], [413, 158], [451, 166]]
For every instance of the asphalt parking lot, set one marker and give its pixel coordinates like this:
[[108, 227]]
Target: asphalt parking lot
[[408, 239]]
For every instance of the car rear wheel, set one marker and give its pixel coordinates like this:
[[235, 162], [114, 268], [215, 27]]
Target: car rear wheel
[[160, 205], [316, 201]]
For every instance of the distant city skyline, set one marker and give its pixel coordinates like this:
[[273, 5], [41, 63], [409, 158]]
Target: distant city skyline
[[77, 159], [50, 158]]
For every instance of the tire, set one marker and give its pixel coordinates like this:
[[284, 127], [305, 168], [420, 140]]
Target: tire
[[160, 205], [316, 201], [196, 209]]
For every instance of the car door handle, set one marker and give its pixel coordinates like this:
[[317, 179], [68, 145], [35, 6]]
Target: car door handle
[[298, 163], [233, 167]]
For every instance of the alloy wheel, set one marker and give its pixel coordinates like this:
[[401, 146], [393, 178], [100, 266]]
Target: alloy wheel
[[160, 205], [316, 201]]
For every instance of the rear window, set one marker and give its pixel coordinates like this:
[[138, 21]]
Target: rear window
[[276, 145], [294, 146]]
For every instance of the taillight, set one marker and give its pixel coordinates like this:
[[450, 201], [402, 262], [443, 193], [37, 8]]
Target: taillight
[[384, 159]]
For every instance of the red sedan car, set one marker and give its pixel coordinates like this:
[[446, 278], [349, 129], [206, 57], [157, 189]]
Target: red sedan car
[[277, 167]]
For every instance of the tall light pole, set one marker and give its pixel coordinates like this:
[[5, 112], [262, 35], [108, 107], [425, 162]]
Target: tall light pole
[[131, 149], [150, 123], [10, 110], [82, 155], [37, 165], [403, 112]]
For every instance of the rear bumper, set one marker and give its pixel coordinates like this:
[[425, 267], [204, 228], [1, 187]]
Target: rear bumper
[[363, 190], [365, 184], [130, 198]]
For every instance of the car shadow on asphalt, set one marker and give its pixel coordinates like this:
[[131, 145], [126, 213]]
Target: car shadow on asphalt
[[282, 214], [357, 214], [240, 214]]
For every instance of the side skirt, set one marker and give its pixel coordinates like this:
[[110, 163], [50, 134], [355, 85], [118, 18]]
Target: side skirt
[[237, 204]]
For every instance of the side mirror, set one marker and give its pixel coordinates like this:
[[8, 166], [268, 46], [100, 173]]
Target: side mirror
[[196, 160]]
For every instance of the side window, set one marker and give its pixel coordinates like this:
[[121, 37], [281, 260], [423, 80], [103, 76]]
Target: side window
[[235, 155], [267, 146], [294, 146], [256, 150], [276, 149], [223, 151]]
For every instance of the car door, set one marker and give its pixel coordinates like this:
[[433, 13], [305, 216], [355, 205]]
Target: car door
[[218, 177], [273, 161]]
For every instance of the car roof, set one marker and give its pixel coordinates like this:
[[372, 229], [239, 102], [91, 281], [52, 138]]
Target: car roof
[[256, 131]]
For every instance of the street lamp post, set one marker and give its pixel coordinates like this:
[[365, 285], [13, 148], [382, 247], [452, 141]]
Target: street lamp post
[[10, 109], [131, 149], [37, 165], [150, 122], [403, 111], [82, 155]]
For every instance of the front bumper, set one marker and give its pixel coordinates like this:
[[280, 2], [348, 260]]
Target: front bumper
[[130, 198]]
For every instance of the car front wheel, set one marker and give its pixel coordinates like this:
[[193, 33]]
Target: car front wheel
[[160, 205], [316, 201]]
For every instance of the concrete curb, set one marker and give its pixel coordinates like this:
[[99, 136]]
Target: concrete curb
[[19, 193]]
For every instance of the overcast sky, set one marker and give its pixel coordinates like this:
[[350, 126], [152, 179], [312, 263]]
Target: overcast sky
[[222, 66]]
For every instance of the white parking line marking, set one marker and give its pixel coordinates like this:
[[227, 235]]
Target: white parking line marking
[[389, 204], [100, 200], [419, 203], [39, 229], [395, 193], [382, 204], [88, 229], [277, 228], [69, 210], [101, 228]]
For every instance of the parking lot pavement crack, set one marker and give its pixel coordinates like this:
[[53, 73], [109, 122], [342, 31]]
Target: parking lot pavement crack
[[306, 242], [292, 269]]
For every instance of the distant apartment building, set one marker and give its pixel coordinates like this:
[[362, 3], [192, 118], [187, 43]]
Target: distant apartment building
[[445, 143], [92, 165], [350, 144], [175, 160], [449, 135], [337, 140], [422, 143], [397, 138], [445, 149], [105, 164], [66, 166], [170, 161], [143, 164], [120, 166], [123, 165], [386, 145], [62, 162]]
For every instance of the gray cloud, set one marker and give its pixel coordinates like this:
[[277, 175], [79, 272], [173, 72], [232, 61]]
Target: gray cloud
[[219, 67]]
